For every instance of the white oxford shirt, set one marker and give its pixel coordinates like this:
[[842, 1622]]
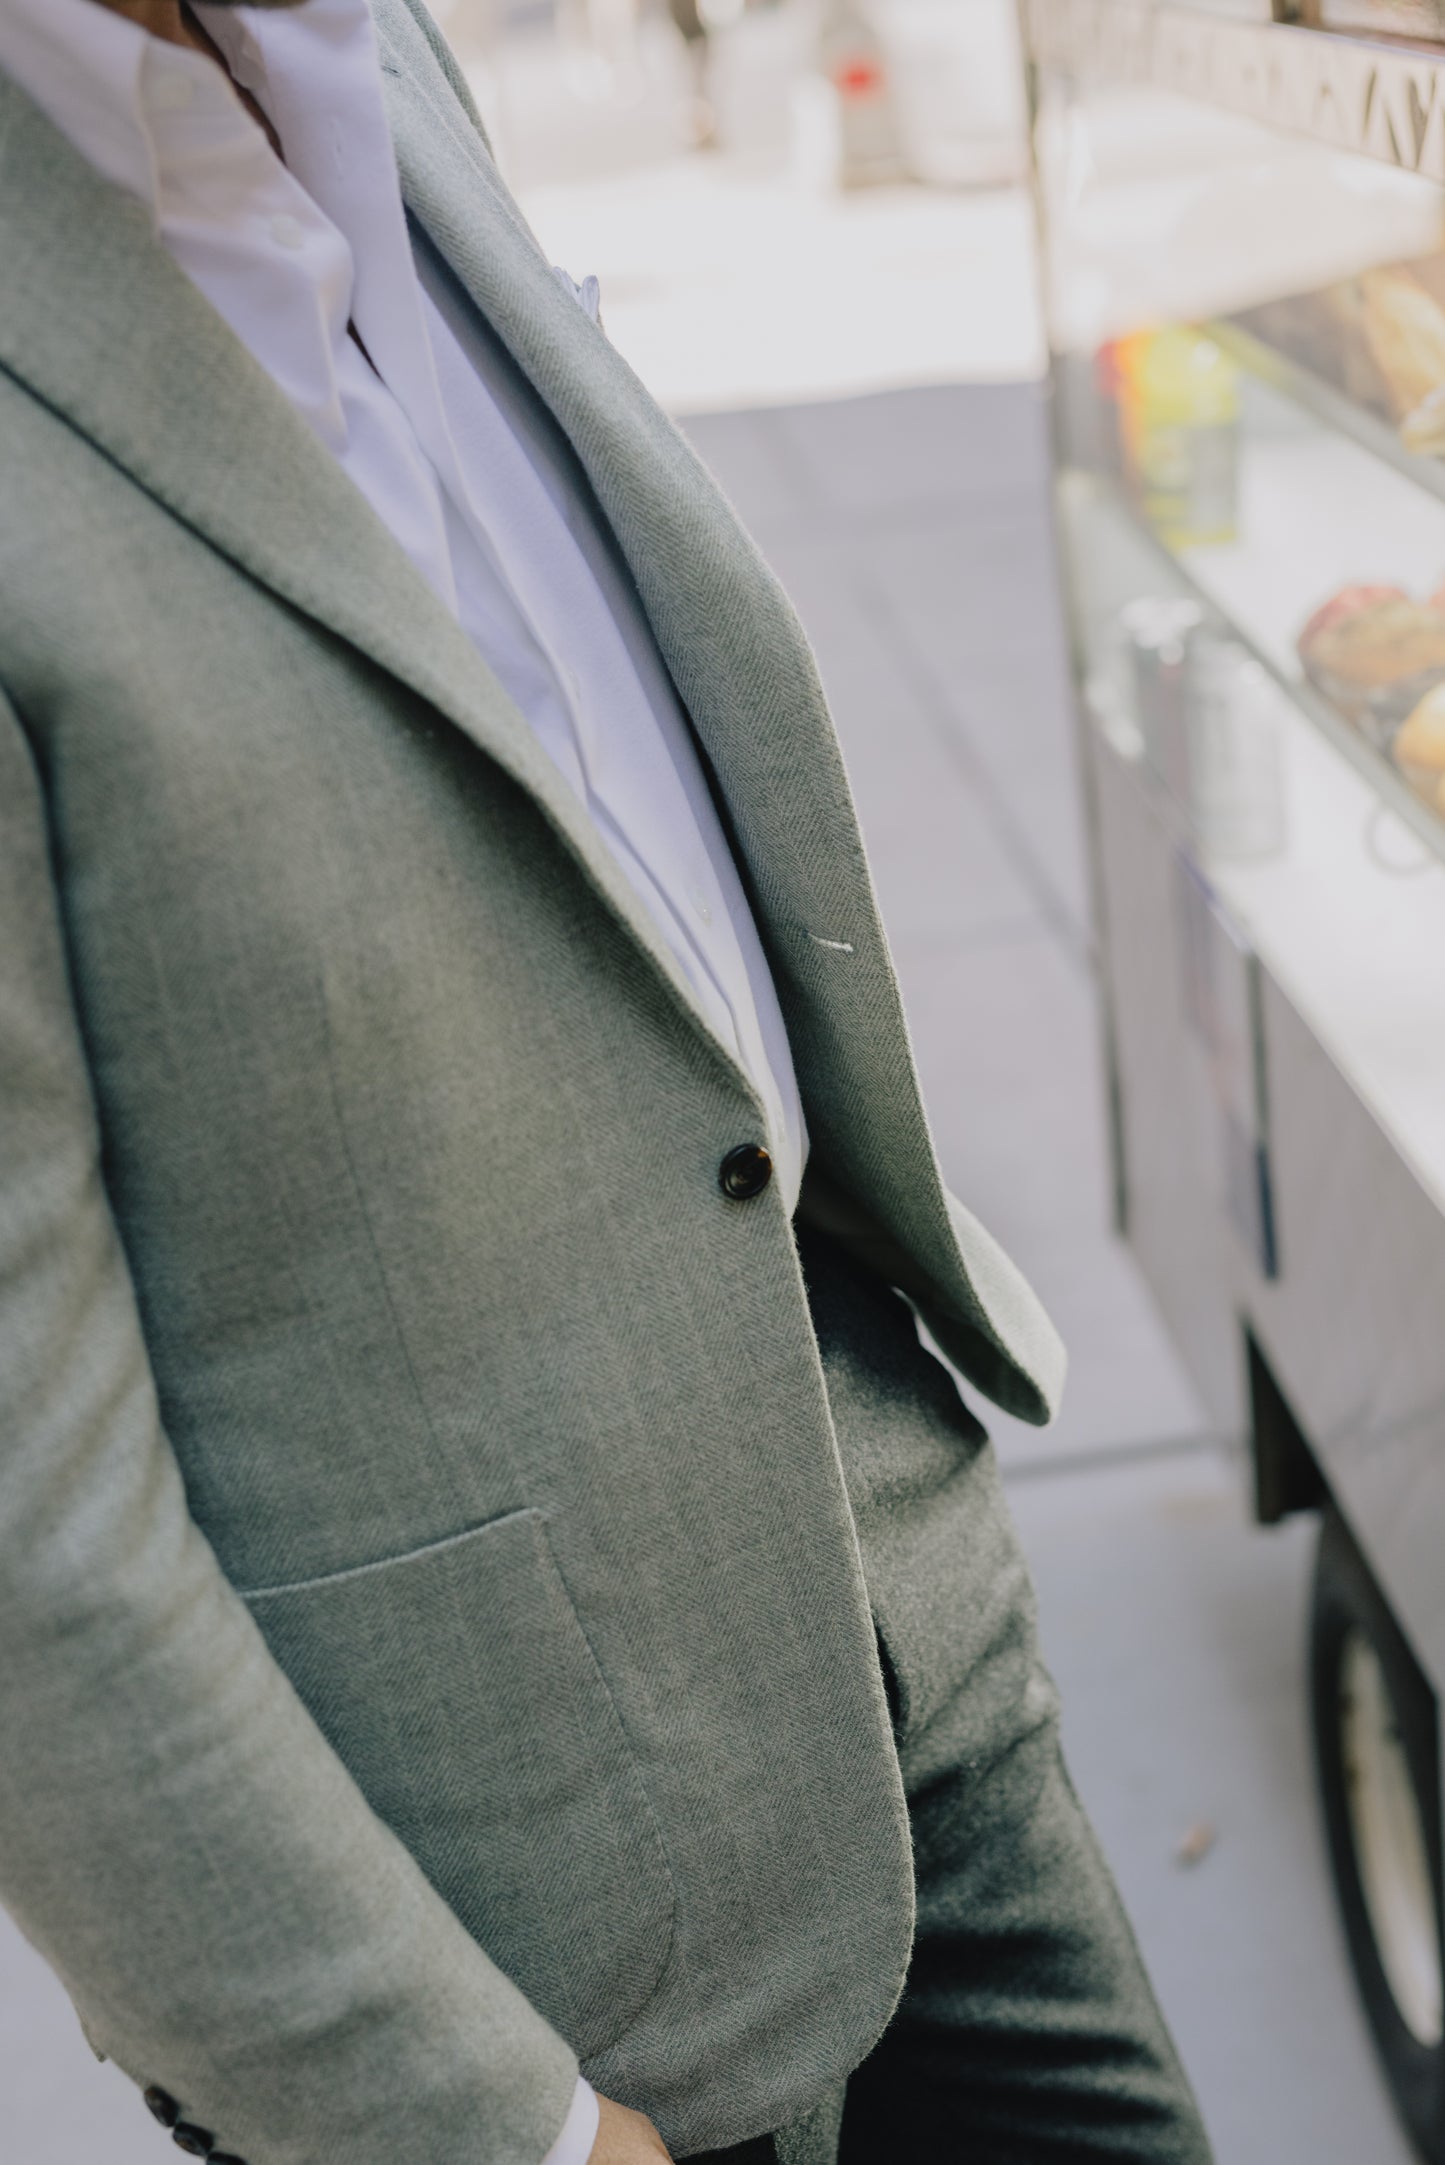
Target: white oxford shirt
[[293, 256]]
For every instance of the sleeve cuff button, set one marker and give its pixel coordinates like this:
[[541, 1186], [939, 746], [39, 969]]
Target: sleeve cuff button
[[161, 2104]]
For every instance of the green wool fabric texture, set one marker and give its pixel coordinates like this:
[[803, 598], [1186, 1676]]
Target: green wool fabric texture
[[436, 1645]]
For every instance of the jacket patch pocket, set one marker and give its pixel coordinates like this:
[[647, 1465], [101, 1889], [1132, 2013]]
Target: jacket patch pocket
[[457, 1685]]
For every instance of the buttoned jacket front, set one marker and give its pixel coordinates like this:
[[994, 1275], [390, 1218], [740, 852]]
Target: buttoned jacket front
[[436, 1647]]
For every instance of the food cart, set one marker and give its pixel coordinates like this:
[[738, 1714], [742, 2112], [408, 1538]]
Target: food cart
[[1243, 249]]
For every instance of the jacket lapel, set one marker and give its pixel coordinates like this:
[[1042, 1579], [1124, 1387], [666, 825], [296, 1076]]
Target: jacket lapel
[[730, 639], [102, 325], [744, 670]]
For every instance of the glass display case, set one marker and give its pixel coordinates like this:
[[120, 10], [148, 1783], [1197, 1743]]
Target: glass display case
[[1243, 246]]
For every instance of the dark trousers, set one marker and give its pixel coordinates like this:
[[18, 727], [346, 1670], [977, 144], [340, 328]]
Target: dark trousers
[[1028, 2033]]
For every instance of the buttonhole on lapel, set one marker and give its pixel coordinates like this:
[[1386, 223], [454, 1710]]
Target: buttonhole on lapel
[[838, 947]]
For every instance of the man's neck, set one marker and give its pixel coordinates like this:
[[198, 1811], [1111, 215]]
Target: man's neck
[[173, 21], [162, 18]]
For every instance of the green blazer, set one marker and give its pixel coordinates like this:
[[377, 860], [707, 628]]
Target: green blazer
[[433, 1646]]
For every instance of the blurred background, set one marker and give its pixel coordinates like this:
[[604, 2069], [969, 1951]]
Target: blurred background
[[813, 225]]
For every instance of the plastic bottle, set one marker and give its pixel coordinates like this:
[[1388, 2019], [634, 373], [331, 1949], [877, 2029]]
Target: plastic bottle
[[1180, 412]]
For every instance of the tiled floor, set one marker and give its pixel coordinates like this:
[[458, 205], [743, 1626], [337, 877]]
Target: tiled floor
[[910, 528]]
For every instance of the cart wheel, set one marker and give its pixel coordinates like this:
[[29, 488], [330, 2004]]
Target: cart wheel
[[1376, 1756]]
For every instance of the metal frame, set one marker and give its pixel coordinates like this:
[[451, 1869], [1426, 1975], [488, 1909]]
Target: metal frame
[[1336, 1363], [1361, 1237]]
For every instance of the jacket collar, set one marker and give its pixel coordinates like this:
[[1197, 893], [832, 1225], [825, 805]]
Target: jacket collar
[[102, 326], [728, 635], [743, 667]]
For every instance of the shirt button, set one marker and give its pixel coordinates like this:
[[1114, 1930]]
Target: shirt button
[[701, 904], [288, 232], [745, 1172], [172, 93]]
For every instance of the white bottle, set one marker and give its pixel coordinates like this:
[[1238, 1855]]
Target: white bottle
[[1236, 780]]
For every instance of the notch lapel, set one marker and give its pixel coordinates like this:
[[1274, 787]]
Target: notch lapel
[[732, 643], [101, 325], [744, 670]]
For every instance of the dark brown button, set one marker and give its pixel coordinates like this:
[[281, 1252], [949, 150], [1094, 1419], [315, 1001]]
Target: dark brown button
[[745, 1172], [190, 2138], [162, 2104]]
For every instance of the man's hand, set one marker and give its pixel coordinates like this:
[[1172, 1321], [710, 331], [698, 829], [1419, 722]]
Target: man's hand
[[626, 2138]]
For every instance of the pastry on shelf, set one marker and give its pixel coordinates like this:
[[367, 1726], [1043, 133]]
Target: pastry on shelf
[[1328, 630], [1324, 332], [1346, 353], [1374, 653], [1419, 747], [1378, 337], [1404, 327], [1423, 431]]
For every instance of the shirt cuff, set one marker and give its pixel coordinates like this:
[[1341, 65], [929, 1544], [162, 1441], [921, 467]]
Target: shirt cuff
[[579, 2130]]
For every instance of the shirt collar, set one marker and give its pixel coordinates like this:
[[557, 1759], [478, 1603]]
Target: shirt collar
[[103, 81], [82, 65], [239, 33], [94, 74], [317, 70]]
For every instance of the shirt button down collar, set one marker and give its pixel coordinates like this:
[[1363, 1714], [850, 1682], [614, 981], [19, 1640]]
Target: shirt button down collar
[[162, 2104], [287, 232]]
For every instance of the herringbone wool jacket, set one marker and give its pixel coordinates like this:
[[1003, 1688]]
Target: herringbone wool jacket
[[433, 1642]]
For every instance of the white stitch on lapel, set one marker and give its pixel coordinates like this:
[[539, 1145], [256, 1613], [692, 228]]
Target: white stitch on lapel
[[839, 947]]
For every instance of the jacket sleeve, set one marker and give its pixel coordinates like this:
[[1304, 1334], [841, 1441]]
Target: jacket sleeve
[[176, 1836]]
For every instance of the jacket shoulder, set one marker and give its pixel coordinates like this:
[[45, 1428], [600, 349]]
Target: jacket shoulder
[[397, 18]]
